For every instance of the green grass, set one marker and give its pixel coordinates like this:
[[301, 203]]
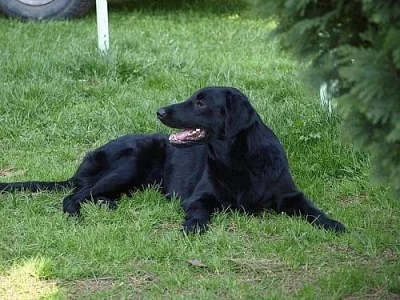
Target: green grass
[[59, 98]]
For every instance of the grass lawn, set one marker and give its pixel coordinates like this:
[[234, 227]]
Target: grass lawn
[[59, 99]]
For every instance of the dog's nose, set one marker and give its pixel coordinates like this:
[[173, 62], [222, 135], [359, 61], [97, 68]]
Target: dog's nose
[[161, 113]]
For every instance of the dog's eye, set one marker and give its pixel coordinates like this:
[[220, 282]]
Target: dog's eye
[[199, 103]]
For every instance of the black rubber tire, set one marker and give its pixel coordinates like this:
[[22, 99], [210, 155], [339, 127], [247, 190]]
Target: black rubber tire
[[56, 9]]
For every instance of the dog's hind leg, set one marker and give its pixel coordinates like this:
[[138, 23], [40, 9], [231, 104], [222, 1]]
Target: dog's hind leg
[[297, 204], [108, 189], [72, 207]]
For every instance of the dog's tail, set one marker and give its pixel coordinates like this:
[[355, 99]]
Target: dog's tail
[[35, 186]]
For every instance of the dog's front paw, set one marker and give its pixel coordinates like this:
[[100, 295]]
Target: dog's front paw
[[195, 226], [71, 207], [334, 226]]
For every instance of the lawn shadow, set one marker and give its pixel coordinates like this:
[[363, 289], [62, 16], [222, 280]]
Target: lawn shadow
[[163, 6]]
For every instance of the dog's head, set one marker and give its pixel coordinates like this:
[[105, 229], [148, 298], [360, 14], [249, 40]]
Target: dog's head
[[210, 113]]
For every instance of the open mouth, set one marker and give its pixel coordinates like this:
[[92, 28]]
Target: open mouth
[[188, 136]]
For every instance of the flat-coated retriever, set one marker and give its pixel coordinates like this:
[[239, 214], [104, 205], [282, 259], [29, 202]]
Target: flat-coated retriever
[[223, 157]]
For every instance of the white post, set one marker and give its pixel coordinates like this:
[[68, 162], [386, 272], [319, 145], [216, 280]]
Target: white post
[[325, 97], [102, 25]]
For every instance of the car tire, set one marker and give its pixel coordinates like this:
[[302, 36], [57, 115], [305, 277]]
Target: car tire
[[45, 9]]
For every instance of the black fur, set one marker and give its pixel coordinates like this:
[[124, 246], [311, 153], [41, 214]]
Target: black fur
[[239, 164]]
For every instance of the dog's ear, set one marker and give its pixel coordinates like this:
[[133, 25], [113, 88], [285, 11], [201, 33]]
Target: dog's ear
[[239, 114]]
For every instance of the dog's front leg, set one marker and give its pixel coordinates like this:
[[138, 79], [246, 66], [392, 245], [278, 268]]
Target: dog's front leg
[[198, 210]]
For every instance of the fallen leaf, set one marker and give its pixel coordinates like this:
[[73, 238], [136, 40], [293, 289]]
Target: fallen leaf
[[196, 263]]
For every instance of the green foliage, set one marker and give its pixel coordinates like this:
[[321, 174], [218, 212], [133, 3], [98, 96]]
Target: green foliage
[[357, 43]]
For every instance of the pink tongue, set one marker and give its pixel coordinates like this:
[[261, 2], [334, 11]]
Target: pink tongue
[[183, 134]]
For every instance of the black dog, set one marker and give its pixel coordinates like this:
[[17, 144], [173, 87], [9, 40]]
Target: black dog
[[224, 157]]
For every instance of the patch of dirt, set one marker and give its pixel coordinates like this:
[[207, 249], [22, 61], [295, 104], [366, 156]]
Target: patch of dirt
[[264, 266], [386, 256], [341, 248], [91, 285], [10, 171], [374, 294], [270, 237], [353, 199], [90, 81], [390, 254], [291, 279], [77, 288], [165, 226]]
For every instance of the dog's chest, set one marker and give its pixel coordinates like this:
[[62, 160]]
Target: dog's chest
[[251, 200], [240, 188]]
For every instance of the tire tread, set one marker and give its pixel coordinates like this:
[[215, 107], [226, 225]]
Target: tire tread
[[73, 9]]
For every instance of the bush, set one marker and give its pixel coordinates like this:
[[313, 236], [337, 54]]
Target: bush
[[357, 43]]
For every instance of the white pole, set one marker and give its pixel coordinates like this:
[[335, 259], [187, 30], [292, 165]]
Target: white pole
[[102, 25]]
